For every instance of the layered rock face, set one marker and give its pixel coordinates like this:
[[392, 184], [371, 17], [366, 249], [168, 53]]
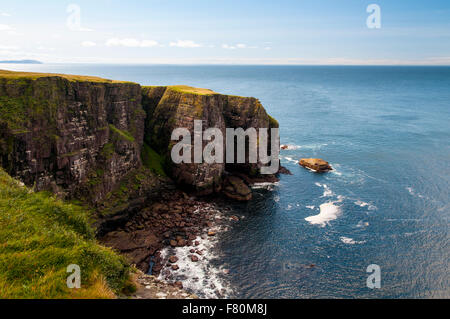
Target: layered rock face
[[82, 137], [59, 133], [169, 108]]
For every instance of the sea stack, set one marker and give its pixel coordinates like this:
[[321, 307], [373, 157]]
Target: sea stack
[[316, 164]]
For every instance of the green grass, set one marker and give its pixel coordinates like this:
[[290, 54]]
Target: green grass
[[124, 134], [40, 236], [192, 90], [272, 122], [152, 160], [73, 78]]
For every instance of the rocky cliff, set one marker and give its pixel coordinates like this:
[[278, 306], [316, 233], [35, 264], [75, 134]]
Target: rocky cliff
[[82, 137], [60, 132], [179, 106]]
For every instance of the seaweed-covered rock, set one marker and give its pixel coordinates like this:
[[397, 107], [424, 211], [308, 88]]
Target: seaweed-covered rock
[[316, 164]]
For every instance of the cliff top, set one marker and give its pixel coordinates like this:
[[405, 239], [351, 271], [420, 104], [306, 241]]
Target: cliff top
[[189, 89], [34, 75]]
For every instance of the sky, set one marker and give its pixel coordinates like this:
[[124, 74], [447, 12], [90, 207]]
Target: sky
[[405, 32]]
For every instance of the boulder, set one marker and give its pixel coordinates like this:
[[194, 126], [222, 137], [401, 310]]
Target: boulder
[[173, 259], [316, 164], [173, 243], [179, 284], [235, 188]]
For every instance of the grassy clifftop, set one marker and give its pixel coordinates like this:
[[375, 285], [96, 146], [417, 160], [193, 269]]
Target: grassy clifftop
[[40, 236], [34, 76]]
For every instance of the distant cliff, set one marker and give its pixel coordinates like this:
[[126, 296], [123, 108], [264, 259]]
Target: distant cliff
[[20, 62], [88, 138]]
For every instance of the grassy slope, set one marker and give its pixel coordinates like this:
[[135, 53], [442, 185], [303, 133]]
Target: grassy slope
[[152, 160], [40, 236]]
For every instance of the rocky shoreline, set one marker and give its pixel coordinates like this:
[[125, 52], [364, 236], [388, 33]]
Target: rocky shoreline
[[176, 220], [149, 287]]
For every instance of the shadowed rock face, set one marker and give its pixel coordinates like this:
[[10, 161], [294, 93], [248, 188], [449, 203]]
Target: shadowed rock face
[[178, 108], [58, 134]]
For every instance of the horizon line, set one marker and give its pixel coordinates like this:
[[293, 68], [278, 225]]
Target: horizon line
[[227, 64]]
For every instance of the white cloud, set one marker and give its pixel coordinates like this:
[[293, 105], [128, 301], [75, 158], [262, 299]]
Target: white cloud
[[4, 27], [4, 14], [88, 44], [8, 47], [185, 44], [149, 43], [238, 46], [44, 48], [229, 47], [131, 43]]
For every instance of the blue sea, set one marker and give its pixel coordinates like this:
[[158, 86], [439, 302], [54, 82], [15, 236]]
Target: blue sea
[[386, 132]]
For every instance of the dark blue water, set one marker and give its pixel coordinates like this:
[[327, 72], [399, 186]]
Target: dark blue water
[[386, 132]]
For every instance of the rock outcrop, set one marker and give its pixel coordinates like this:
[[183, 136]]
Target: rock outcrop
[[179, 107], [236, 188], [316, 164]]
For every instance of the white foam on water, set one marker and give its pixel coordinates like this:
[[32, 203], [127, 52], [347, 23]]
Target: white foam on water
[[310, 169], [276, 199], [327, 191], [288, 159], [328, 212], [335, 170], [413, 192], [310, 207], [268, 186], [364, 204], [202, 277], [291, 147], [350, 241]]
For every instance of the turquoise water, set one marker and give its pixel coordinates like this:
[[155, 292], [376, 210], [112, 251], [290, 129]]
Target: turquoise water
[[386, 132]]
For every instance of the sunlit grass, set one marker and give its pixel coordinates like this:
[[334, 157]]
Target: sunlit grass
[[40, 236]]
